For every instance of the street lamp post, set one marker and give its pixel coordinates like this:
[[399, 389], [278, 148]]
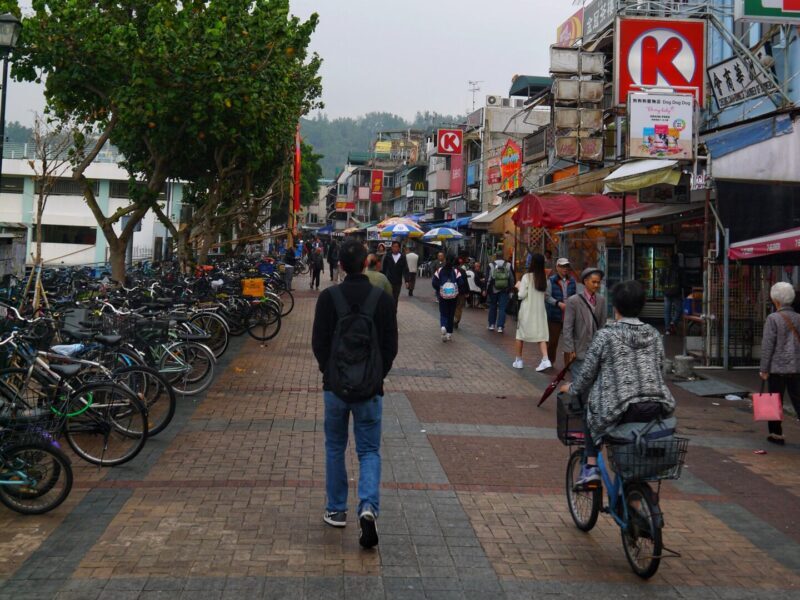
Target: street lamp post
[[10, 28]]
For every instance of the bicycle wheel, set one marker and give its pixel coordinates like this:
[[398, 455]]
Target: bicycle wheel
[[188, 367], [155, 393], [642, 538], [215, 327], [106, 424], [584, 506], [263, 322], [35, 477], [287, 301]]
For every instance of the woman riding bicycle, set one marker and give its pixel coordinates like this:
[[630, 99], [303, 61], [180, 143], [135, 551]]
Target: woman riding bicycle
[[622, 376]]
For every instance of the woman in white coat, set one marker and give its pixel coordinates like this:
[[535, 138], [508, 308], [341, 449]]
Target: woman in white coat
[[532, 317]]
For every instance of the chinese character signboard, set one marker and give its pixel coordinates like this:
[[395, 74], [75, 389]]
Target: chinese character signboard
[[510, 167], [456, 175], [660, 125], [597, 17], [376, 186], [733, 82], [344, 205], [493, 171], [668, 53], [771, 11], [570, 31], [449, 141]]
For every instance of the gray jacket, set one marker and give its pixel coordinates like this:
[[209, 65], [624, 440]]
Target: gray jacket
[[580, 325], [780, 347], [622, 367]]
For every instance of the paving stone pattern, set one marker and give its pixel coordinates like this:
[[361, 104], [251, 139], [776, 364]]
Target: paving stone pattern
[[227, 502]]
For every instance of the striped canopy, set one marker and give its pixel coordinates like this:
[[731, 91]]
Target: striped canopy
[[401, 230], [441, 234], [396, 221]]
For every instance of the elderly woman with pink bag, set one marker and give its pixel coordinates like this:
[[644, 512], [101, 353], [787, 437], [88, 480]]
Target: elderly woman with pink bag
[[780, 353]]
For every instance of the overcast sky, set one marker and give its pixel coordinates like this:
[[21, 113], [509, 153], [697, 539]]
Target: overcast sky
[[402, 56]]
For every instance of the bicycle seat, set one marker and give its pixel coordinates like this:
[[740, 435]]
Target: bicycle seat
[[80, 334], [165, 301], [109, 340], [179, 318], [66, 370]]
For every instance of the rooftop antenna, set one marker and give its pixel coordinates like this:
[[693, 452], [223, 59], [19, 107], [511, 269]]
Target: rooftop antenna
[[474, 88]]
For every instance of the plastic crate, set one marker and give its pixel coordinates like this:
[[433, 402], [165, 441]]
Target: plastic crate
[[569, 420], [650, 460]]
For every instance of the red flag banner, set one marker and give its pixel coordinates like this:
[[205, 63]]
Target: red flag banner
[[297, 164], [376, 186]]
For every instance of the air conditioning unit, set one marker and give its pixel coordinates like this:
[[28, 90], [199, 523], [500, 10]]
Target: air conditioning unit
[[506, 102], [494, 100], [519, 103]]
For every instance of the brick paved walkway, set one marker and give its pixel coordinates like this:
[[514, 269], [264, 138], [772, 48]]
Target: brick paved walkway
[[227, 502]]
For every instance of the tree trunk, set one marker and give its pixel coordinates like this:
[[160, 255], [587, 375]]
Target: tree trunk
[[38, 257], [117, 253], [184, 248]]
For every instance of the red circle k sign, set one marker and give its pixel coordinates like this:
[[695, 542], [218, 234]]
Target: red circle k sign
[[660, 52]]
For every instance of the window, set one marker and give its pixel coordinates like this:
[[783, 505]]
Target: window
[[67, 234], [67, 187], [121, 189], [12, 185], [342, 191], [311, 218]]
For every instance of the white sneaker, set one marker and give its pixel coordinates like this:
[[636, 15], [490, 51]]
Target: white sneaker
[[444, 334], [499, 330], [449, 337], [491, 328], [544, 365], [517, 364]]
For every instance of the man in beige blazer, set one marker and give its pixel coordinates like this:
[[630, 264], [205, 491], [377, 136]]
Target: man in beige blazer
[[584, 315]]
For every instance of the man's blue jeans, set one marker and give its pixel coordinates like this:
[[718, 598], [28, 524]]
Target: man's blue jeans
[[672, 311], [498, 302], [367, 431]]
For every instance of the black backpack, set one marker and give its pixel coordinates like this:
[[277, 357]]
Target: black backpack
[[355, 368]]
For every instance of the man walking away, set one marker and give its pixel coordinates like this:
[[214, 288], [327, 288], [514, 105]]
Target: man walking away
[[560, 286], [289, 260], [395, 269], [672, 284], [317, 265], [585, 314], [354, 339], [500, 280], [333, 258], [375, 277], [412, 262]]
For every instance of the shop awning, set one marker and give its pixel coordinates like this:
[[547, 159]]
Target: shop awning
[[647, 212], [456, 223], [768, 152], [776, 243], [484, 220], [565, 209], [639, 174], [325, 230]]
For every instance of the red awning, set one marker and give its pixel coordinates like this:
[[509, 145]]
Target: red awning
[[566, 209], [776, 243]]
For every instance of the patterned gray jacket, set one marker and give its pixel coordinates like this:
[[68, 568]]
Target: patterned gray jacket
[[622, 367], [780, 346]]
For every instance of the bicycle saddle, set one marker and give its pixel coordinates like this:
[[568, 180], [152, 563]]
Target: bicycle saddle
[[80, 334], [109, 340], [65, 370]]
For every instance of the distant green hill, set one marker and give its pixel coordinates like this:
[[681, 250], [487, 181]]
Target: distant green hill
[[335, 138]]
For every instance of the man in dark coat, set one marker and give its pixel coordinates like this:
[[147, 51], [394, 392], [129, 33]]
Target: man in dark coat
[[395, 268]]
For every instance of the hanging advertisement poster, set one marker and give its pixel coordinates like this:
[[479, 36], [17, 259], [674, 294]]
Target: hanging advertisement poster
[[570, 31], [493, 171], [660, 125], [510, 167], [768, 11], [376, 186]]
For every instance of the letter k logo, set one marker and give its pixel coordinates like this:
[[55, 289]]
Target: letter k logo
[[657, 60]]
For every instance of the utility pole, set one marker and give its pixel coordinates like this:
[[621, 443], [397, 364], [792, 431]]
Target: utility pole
[[474, 88]]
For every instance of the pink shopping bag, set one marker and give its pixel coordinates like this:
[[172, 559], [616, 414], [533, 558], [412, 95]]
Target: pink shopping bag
[[767, 407]]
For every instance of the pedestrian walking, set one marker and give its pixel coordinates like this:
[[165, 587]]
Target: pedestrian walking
[[462, 297], [560, 286], [375, 276], [449, 283], [395, 269], [412, 262], [317, 266], [333, 258], [381, 252], [500, 281], [584, 315], [672, 284], [437, 263], [354, 339], [289, 261], [532, 316], [780, 353]]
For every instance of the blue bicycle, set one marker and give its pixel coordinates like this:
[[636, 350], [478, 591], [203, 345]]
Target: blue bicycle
[[627, 477]]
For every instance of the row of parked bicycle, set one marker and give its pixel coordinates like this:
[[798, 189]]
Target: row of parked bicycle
[[100, 365]]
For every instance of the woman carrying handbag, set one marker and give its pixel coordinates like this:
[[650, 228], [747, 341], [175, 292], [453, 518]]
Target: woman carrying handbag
[[780, 354], [532, 316]]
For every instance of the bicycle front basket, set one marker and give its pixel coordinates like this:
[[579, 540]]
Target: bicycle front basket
[[650, 460], [569, 420]]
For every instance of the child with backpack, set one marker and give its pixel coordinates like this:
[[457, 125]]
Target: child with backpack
[[449, 283]]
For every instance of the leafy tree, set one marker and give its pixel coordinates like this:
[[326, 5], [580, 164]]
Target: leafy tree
[[205, 91]]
